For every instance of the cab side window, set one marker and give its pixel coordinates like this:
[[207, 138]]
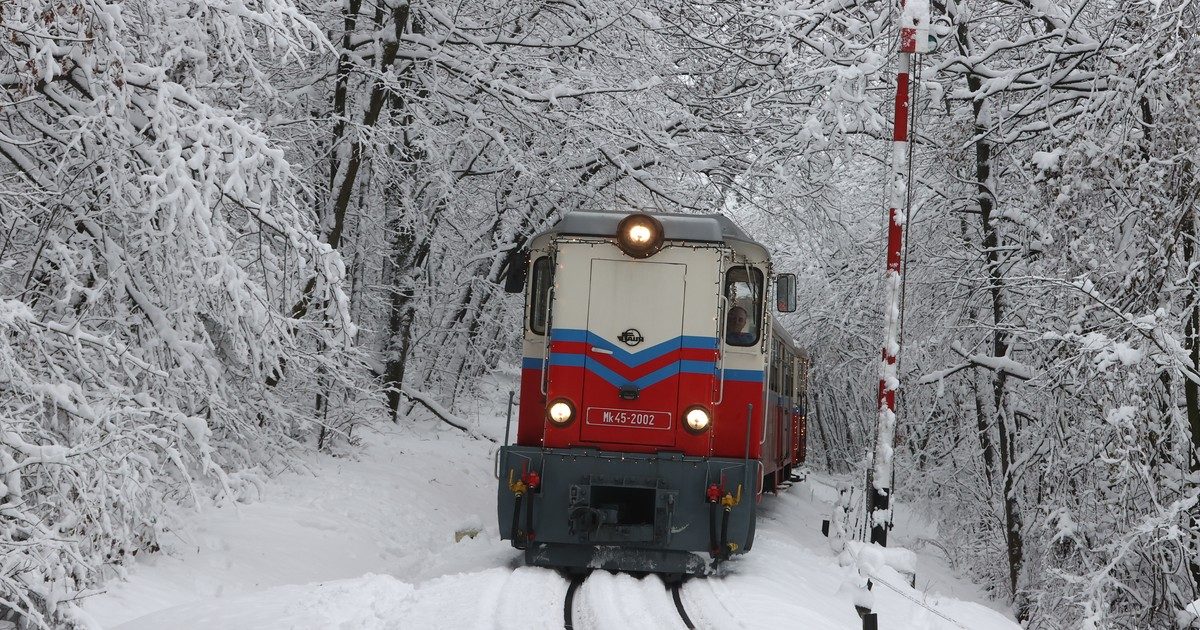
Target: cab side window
[[743, 319], [540, 295]]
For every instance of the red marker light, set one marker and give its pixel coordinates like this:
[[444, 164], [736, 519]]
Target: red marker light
[[533, 480]]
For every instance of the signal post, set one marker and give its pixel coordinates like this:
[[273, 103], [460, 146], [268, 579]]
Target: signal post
[[914, 38]]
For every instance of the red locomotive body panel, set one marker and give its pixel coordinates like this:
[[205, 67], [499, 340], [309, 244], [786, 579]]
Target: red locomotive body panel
[[532, 403], [731, 432], [727, 438], [660, 383]]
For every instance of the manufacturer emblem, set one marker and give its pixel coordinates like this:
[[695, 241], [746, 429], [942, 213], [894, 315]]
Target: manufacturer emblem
[[631, 337]]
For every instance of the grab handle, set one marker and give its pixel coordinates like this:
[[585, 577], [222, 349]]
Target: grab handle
[[721, 350]]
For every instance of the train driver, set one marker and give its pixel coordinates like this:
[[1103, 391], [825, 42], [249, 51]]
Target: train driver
[[735, 329]]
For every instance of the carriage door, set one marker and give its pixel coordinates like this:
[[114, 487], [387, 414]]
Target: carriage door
[[631, 375]]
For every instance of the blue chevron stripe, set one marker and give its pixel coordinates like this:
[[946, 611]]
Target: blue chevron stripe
[[634, 359], [707, 368], [686, 367], [567, 360], [616, 380], [698, 367], [744, 376]]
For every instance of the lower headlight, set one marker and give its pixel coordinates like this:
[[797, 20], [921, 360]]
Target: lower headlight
[[697, 419], [560, 412]]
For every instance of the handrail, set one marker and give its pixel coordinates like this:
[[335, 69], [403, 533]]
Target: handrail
[[507, 429], [766, 407], [544, 385], [749, 416], [721, 349]]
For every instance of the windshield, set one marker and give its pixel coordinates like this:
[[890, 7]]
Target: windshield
[[743, 320], [540, 288]]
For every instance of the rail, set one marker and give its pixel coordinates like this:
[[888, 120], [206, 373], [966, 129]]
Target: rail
[[578, 580]]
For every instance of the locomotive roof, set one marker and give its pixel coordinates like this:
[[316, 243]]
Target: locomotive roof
[[709, 228]]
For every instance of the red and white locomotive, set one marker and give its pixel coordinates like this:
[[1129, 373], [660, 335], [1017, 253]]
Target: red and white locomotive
[[658, 397]]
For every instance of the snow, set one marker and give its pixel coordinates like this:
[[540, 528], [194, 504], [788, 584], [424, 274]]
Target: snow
[[368, 541], [914, 17], [1190, 615], [871, 559], [1048, 160], [394, 510], [12, 310]]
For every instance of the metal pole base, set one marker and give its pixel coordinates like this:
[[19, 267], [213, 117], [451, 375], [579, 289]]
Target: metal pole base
[[879, 503]]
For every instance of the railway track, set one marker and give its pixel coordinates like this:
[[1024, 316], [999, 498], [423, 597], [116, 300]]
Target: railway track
[[577, 581]]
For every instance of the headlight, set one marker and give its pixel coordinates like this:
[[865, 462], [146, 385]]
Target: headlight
[[698, 419], [640, 235], [560, 412]]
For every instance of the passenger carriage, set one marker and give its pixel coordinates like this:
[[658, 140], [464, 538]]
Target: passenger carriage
[[651, 417]]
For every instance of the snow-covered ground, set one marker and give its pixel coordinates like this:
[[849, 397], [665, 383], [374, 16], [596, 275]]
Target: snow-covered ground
[[367, 541]]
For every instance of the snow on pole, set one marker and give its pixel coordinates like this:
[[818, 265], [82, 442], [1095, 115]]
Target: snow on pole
[[914, 37], [914, 27]]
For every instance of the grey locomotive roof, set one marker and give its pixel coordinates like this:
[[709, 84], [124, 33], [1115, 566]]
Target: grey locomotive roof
[[709, 228]]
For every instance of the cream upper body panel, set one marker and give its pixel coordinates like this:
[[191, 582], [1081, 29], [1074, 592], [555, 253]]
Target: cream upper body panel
[[709, 245], [631, 289]]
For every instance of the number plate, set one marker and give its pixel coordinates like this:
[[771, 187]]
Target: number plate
[[598, 416]]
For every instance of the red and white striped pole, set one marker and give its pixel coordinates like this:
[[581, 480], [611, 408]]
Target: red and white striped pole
[[914, 38]]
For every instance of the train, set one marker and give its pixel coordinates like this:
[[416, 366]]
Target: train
[[659, 397]]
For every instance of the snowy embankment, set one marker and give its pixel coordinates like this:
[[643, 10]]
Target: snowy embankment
[[368, 542]]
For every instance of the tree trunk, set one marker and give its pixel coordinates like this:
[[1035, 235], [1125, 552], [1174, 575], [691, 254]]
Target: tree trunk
[[815, 418], [1007, 425], [408, 254], [1191, 343], [1191, 333], [984, 431], [344, 68], [341, 202], [399, 330]]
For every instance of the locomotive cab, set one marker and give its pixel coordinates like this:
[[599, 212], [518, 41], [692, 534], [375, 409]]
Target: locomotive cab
[[645, 426]]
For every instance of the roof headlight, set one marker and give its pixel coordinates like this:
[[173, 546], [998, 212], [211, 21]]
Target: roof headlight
[[697, 419], [640, 235]]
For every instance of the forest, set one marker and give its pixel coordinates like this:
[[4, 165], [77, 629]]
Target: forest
[[233, 231]]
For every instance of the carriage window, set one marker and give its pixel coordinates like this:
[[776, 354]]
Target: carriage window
[[778, 362], [775, 371], [792, 380], [801, 379], [743, 322], [540, 287], [788, 379]]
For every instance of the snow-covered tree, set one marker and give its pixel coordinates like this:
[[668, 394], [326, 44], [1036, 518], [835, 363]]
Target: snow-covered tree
[[154, 243]]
